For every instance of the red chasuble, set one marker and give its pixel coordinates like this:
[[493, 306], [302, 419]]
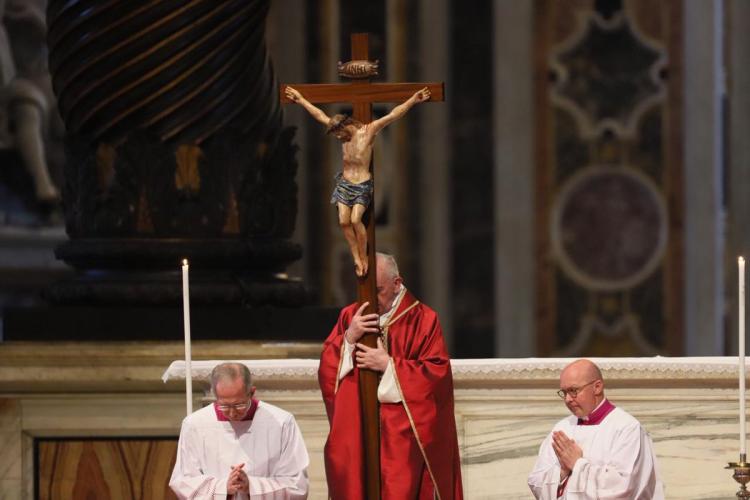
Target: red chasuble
[[418, 443]]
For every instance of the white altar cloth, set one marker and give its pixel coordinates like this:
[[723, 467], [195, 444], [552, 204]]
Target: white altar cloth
[[658, 367]]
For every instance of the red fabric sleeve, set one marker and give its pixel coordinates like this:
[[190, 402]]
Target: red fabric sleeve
[[343, 453]]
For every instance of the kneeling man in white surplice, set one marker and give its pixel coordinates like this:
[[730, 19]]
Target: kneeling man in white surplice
[[239, 447], [599, 452]]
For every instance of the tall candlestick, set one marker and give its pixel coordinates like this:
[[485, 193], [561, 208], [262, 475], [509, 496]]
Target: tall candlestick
[[186, 319], [741, 264]]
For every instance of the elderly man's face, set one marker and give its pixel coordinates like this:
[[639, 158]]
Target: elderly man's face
[[388, 287], [578, 380], [233, 398]]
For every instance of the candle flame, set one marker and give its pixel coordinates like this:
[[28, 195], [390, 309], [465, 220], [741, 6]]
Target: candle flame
[[740, 260], [184, 262]]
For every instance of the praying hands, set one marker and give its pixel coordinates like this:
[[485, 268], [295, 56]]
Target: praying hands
[[238, 481], [567, 451]]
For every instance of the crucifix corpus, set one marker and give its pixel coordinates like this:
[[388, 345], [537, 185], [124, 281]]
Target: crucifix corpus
[[354, 184], [354, 193]]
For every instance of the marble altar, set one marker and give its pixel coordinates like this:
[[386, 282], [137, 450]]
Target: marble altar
[[504, 407]]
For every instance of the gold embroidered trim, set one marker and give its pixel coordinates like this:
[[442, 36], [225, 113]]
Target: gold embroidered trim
[[341, 361], [414, 428], [387, 326], [394, 307]]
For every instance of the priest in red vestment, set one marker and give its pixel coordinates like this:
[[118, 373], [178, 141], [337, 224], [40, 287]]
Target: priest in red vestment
[[419, 456]]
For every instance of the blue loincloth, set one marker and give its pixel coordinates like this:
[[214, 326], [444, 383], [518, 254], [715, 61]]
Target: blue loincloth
[[351, 194]]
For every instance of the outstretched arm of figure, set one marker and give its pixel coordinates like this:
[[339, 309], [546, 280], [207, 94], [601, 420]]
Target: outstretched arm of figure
[[399, 111], [293, 95]]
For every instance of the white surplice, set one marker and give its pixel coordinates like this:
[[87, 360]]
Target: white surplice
[[270, 445], [618, 462]]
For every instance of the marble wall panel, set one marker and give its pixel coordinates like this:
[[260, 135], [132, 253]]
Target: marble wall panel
[[695, 432]]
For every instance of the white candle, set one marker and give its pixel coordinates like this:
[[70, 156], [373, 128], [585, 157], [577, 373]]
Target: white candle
[[188, 361], [743, 438]]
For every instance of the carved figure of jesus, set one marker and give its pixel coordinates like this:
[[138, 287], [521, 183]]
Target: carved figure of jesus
[[354, 186]]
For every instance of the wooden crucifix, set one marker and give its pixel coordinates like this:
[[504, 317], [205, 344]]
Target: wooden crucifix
[[362, 94]]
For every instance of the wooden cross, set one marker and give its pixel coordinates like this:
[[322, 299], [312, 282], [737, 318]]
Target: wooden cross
[[362, 94]]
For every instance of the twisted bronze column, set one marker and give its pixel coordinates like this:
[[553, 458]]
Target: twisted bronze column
[[175, 149]]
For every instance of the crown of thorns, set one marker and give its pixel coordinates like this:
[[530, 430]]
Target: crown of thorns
[[338, 122]]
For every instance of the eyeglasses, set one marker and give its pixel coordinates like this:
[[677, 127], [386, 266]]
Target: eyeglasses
[[237, 407], [573, 391]]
